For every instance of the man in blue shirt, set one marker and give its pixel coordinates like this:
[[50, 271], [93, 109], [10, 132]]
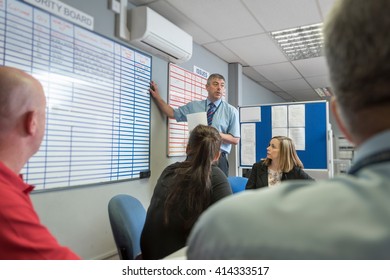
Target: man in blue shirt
[[224, 116]]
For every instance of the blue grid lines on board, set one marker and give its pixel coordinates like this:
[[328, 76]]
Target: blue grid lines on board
[[2, 37], [94, 129]]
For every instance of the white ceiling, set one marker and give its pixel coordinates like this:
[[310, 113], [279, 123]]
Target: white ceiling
[[238, 31]]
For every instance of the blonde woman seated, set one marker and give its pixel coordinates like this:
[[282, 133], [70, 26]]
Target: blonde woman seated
[[282, 163]]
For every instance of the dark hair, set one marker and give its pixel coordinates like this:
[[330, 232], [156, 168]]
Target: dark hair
[[357, 49], [192, 187], [215, 76]]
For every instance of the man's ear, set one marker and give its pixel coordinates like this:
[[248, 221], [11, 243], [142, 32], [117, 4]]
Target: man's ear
[[31, 122], [339, 119]]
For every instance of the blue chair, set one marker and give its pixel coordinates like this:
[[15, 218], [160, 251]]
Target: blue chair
[[237, 183], [127, 219]]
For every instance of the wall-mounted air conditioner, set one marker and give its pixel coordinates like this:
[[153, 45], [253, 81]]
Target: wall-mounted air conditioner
[[152, 32]]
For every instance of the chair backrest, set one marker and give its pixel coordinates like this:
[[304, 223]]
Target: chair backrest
[[127, 219], [237, 183]]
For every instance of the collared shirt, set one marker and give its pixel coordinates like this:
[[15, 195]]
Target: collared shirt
[[22, 236], [345, 217], [375, 144], [225, 119]]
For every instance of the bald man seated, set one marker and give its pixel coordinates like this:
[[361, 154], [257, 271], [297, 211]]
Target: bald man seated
[[22, 125]]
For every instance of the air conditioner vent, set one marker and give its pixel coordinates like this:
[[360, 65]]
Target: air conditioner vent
[[152, 32]]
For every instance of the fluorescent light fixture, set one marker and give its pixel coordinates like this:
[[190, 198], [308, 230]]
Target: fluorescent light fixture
[[324, 92], [301, 42]]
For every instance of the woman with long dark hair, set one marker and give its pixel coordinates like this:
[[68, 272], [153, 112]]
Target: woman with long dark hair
[[183, 191]]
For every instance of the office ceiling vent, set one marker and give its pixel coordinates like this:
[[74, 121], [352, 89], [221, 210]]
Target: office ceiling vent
[[301, 42], [154, 33]]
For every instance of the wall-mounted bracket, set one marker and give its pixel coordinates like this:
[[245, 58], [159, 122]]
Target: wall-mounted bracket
[[120, 9]]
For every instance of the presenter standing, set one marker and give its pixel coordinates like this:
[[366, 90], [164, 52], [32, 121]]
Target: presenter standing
[[220, 114]]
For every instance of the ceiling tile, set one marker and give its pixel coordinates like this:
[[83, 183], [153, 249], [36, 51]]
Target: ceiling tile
[[223, 52], [319, 81], [281, 14], [285, 96], [305, 95], [256, 50], [278, 71], [234, 30], [325, 7], [312, 66], [199, 35], [292, 85], [213, 16], [253, 74], [270, 85]]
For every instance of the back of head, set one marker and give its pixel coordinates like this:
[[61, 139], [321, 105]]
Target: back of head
[[203, 145], [202, 150], [19, 92], [22, 102], [192, 188], [357, 48]]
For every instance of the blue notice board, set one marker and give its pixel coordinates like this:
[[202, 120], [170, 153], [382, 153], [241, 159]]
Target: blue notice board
[[315, 154]]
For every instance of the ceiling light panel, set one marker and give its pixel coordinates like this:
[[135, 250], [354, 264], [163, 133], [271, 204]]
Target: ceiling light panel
[[301, 42], [324, 92]]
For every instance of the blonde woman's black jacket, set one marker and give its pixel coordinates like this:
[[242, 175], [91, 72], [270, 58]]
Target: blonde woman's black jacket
[[259, 175]]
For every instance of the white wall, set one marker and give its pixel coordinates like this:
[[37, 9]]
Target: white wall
[[78, 217], [253, 94]]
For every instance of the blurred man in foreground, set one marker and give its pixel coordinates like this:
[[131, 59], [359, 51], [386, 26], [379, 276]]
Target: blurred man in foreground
[[347, 217]]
